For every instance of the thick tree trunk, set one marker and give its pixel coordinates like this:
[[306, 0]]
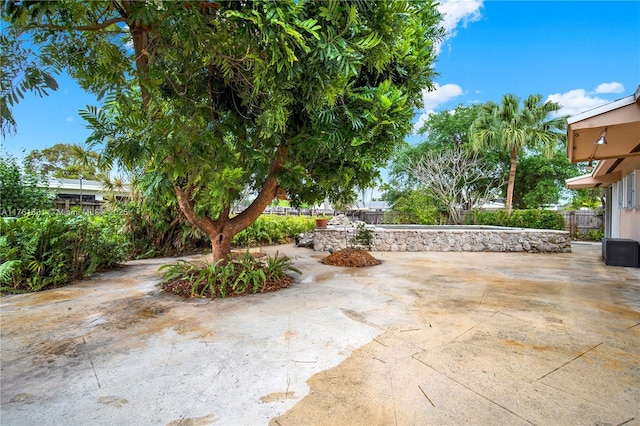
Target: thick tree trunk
[[512, 180], [220, 242], [222, 230], [221, 245]]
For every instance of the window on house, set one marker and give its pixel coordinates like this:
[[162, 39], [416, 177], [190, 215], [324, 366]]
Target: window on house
[[630, 189], [620, 186]]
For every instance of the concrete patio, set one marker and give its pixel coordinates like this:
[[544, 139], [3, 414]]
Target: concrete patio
[[425, 338]]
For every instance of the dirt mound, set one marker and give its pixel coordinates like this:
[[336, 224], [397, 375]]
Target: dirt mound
[[351, 257]]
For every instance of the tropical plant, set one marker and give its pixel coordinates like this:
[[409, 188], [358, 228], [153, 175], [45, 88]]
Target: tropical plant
[[456, 179], [445, 132], [595, 235], [272, 229], [416, 207], [363, 237], [244, 275], [591, 198], [21, 72], [540, 180], [20, 190], [212, 98], [513, 128], [41, 250]]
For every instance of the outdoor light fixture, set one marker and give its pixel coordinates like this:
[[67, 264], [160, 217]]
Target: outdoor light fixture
[[602, 139]]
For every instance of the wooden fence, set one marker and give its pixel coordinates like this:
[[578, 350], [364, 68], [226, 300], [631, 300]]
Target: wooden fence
[[582, 221]]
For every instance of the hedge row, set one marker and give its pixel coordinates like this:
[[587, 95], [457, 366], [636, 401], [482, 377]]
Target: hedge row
[[529, 218], [273, 229]]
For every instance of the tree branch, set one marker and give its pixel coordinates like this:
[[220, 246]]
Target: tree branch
[[266, 195], [187, 206], [95, 27]]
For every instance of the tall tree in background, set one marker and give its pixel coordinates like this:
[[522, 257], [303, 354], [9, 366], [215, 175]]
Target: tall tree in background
[[457, 179], [65, 161], [450, 128], [209, 98], [540, 180], [513, 128], [445, 129]]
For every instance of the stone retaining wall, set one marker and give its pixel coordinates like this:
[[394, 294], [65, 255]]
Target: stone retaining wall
[[450, 239]]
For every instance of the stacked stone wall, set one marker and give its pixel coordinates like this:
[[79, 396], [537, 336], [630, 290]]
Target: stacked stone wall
[[497, 240]]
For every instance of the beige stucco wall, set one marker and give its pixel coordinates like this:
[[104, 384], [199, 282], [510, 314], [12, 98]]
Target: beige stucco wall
[[630, 224]]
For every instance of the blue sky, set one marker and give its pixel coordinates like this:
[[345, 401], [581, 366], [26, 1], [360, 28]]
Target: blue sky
[[580, 54]]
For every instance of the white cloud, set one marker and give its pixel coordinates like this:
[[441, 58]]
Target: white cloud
[[456, 13], [423, 117], [438, 96], [576, 101], [579, 100], [69, 119], [613, 87]]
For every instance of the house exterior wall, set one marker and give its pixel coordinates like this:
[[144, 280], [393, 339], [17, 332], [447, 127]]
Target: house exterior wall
[[91, 190], [615, 211], [630, 224], [625, 215]]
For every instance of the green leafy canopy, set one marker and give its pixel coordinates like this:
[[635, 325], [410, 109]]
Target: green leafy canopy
[[210, 98]]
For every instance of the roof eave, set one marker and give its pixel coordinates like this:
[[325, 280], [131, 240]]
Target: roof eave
[[620, 103]]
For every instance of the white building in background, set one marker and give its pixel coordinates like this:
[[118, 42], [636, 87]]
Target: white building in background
[[69, 191]]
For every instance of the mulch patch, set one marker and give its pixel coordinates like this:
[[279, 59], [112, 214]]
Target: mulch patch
[[351, 257], [182, 288]]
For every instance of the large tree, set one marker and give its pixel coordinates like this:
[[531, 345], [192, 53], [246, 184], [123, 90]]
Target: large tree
[[457, 179], [513, 129], [540, 180], [443, 132], [65, 161], [208, 98]]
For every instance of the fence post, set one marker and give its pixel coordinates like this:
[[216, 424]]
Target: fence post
[[572, 224]]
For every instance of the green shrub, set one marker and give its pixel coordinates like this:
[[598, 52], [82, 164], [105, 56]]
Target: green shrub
[[595, 235], [363, 237], [487, 217], [41, 250], [242, 276], [273, 229], [156, 229], [526, 218], [415, 208], [20, 191]]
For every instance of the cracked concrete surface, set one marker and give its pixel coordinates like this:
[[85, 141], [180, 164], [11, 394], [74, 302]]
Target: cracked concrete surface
[[424, 338]]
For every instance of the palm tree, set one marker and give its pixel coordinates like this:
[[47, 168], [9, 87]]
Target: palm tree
[[514, 129], [85, 162]]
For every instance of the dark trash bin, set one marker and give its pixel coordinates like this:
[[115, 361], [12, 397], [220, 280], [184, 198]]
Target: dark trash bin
[[620, 252]]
